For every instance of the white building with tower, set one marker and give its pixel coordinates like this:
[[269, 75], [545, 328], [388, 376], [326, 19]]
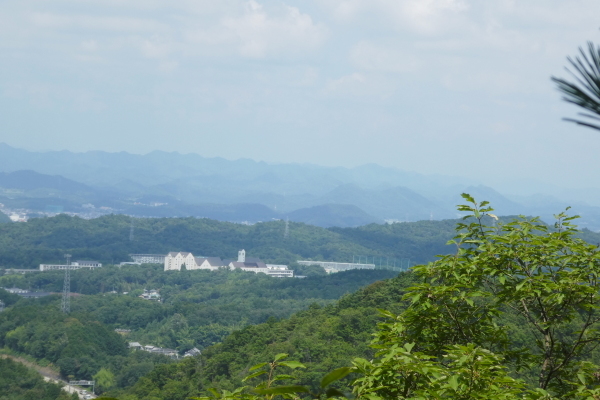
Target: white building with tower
[[174, 261]]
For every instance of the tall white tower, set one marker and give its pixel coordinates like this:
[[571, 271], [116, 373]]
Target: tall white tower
[[242, 255]]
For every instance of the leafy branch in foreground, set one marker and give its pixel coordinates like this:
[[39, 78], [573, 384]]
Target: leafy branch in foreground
[[545, 278], [269, 388], [585, 91]]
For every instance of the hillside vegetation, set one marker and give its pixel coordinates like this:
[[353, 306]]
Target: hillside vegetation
[[514, 314], [17, 382], [200, 308], [45, 240]]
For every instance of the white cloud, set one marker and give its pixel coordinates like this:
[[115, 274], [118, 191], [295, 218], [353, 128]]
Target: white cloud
[[259, 34], [359, 86], [427, 16], [98, 23], [420, 16], [371, 56], [329, 65]]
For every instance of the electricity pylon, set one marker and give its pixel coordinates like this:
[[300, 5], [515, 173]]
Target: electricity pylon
[[66, 296]]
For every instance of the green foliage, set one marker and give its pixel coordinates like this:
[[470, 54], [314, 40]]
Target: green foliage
[[17, 382], [80, 346], [269, 386], [308, 270], [104, 379], [466, 372], [8, 298], [201, 308], [547, 279], [321, 338]]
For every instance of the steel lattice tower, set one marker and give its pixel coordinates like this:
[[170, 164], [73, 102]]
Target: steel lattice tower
[[66, 296], [286, 233]]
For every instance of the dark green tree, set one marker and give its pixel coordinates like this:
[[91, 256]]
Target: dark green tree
[[584, 90]]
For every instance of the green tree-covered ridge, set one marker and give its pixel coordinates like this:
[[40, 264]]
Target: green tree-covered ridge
[[106, 239]]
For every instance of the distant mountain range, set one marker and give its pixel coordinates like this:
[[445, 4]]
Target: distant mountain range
[[161, 184]]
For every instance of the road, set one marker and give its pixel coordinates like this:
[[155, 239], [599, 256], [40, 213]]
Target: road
[[50, 376]]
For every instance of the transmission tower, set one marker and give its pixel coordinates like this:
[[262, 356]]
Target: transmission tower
[[286, 233], [66, 296], [131, 231]]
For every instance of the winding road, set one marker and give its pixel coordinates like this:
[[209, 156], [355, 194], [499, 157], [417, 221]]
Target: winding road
[[50, 376]]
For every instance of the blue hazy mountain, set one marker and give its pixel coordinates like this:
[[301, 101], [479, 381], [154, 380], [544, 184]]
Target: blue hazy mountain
[[327, 215], [174, 184]]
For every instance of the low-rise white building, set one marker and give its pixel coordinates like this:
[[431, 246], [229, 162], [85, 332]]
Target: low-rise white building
[[87, 263], [154, 349], [148, 258], [15, 290], [279, 271], [332, 267], [135, 346], [74, 265], [192, 353], [150, 295]]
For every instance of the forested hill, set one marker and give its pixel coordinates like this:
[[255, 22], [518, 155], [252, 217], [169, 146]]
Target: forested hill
[[107, 239], [323, 338], [198, 309]]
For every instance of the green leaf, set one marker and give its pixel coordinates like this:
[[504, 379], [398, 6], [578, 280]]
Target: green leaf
[[453, 382], [280, 356], [467, 197], [254, 375], [257, 366], [335, 375], [292, 364], [283, 376], [291, 389]]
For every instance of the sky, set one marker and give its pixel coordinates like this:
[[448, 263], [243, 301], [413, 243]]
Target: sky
[[457, 87]]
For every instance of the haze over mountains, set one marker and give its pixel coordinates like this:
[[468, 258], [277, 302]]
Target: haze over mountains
[[161, 184]]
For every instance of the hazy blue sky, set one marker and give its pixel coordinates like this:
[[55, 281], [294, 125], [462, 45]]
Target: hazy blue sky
[[458, 87]]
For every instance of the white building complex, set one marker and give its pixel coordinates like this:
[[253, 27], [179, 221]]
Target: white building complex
[[74, 265], [175, 260], [332, 267]]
